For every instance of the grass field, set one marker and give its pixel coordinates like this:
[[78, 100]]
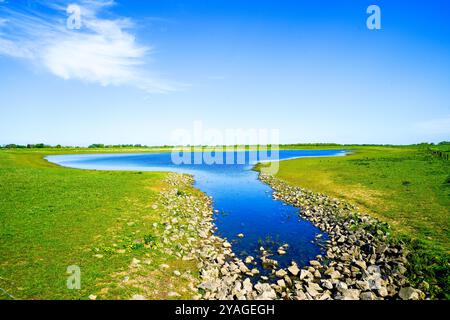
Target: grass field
[[407, 187], [53, 217]]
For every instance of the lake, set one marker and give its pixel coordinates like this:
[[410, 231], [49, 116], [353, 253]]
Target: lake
[[244, 204]]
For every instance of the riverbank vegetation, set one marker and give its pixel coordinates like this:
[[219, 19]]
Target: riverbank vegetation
[[408, 187], [53, 217]]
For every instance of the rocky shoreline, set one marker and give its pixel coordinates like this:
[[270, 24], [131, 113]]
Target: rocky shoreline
[[360, 262]]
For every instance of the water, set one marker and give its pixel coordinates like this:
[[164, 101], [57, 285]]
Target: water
[[245, 204]]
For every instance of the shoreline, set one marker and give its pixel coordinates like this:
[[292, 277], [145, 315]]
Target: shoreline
[[361, 263]]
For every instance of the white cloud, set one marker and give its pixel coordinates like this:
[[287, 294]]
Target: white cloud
[[103, 51]]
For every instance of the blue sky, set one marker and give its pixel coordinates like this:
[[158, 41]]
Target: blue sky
[[136, 71]]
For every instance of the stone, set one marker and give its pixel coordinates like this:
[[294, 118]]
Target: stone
[[92, 297], [335, 275], [135, 262], [341, 286], [177, 273], [409, 293], [300, 295], [324, 296], [269, 263], [315, 263], [367, 296], [173, 294], [249, 259], [350, 294], [280, 273], [138, 297], [294, 270], [240, 235], [315, 286], [281, 283], [327, 284], [363, 285], [304, 274], [265, 292], [247, 285], [361, 264], [226, 244], [254, 271], [312, 291], [382, 292]]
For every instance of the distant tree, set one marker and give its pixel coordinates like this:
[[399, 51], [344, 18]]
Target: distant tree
[[97, 145]]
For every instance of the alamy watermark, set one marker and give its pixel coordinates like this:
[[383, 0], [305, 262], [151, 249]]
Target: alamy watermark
[[74, 19], [74, 279], [211, 146], [373, 22]]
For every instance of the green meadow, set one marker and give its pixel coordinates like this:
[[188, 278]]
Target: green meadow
[[408, 187], [53, 217]]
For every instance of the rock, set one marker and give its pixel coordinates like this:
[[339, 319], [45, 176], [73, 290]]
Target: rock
[[382, 292], [138, 297], [367, 296], [300, 295], [324, 296], [312, 290], [341, 286], [315, 286], [249, 259], [92, 297], [409, 293], [269, 263], [363, 285], [281, 252], [177, 273], [327, 284], [280, 273], [350, 294], [317, 274], [294, 270], [240, 235], [265, 292], [135, 262], [226, 244], [335, 275], [361, 264], [247, 285], [315, 263], [304, 274], [164, 266], [281, 283], [173, 294]]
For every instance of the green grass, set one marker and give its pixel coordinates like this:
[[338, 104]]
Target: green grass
[[53, 217], [405, 186]]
